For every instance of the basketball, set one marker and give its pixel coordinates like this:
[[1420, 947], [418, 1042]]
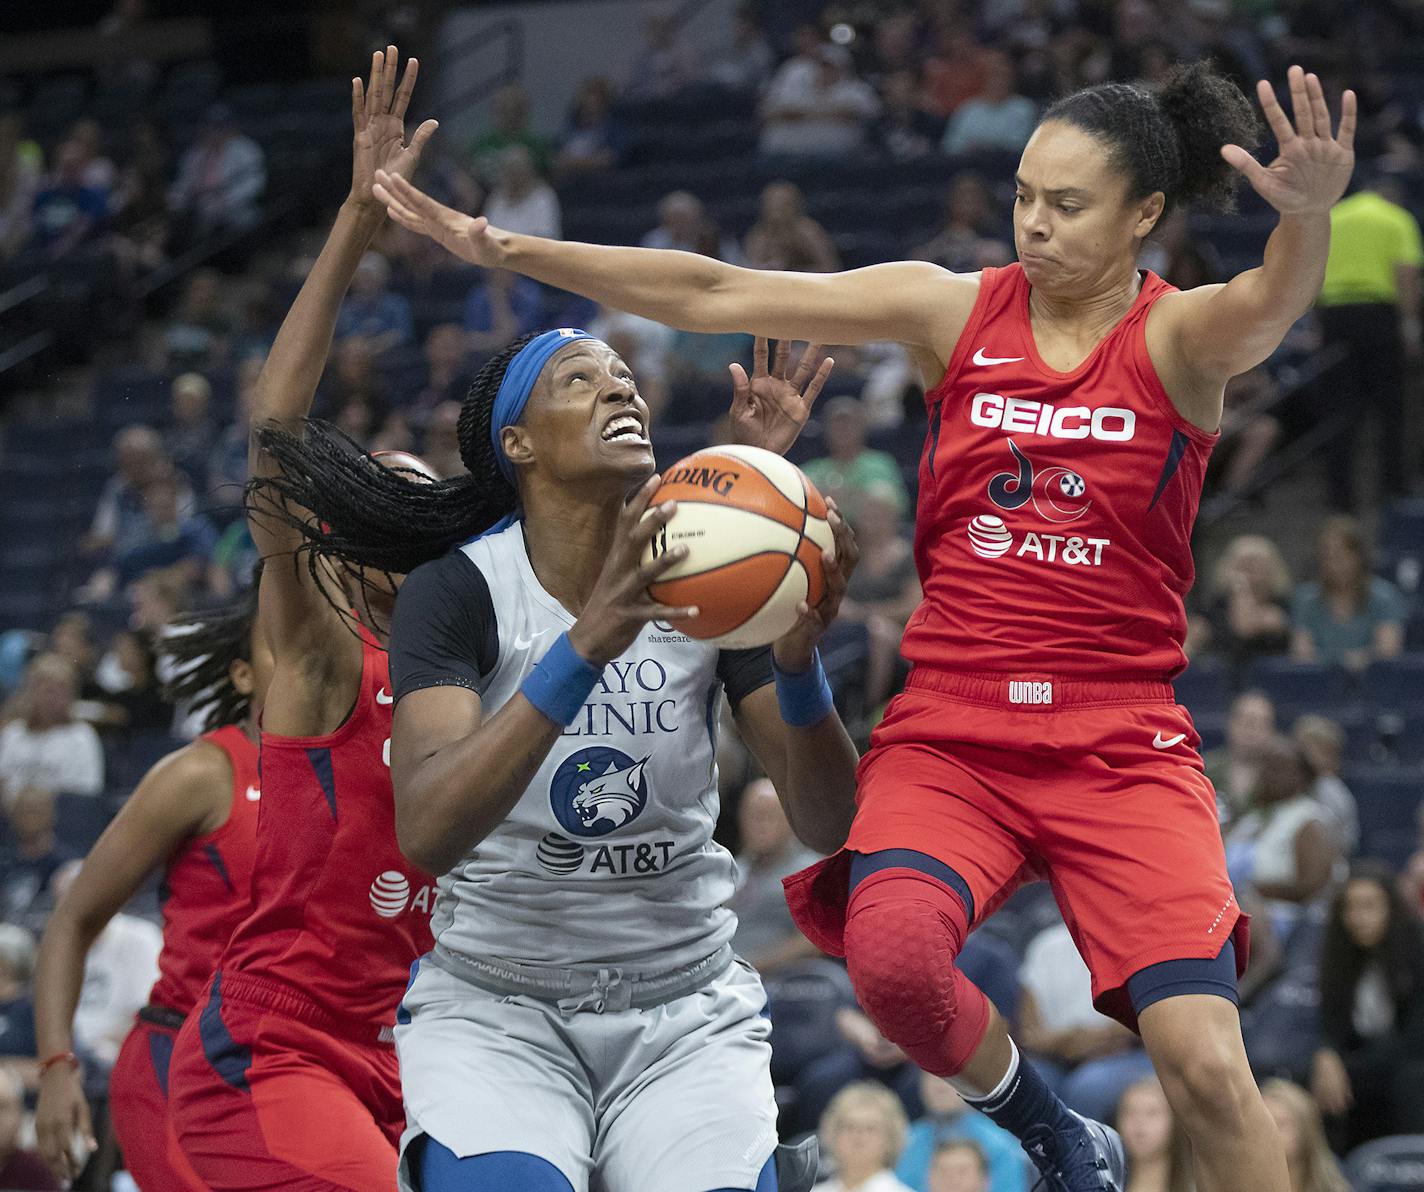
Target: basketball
[[755, 528]]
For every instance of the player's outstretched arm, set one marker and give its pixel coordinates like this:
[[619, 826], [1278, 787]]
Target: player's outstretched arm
[[1213, 333], [184, 795], [910, 302], [287, 384]]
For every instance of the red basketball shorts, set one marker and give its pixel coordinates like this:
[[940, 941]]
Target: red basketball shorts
[[138, 1108], [263, 1100], [1096, 786]]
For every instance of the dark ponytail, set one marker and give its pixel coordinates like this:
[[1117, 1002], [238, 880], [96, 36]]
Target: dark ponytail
[[1170, 141], [366, 518], [199, 650]]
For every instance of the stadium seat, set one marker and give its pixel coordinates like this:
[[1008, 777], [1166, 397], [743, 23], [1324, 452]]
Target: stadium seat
[[1396, 683], [1300, 685], [79, 820], [1388, 798], [1204, 688], [1394, 1164]]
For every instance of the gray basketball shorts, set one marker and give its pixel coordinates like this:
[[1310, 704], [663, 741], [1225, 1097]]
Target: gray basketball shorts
[[673, 1098]]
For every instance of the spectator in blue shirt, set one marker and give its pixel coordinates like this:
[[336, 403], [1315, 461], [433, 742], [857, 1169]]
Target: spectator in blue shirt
[[997, 119], [371, 312], [500, 307], [1347, 617], [66, 211], [948, 1119]]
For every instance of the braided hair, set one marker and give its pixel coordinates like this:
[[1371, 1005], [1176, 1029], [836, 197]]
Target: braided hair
[[365, 518], [199, 650], [1170, 141]]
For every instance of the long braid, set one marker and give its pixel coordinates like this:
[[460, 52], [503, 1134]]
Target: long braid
[[365, 518], [199, 650]]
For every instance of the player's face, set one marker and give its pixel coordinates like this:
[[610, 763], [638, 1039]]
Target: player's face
[[585, 420], [1074, 227], [1366, 913]]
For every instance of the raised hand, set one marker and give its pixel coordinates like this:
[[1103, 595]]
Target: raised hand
[[378, 115], [768, 410], [1312, 167], [468, 237], [793, 649]]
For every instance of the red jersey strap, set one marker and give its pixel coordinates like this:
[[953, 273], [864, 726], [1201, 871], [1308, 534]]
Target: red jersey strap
[[991, 296], [241, 753]]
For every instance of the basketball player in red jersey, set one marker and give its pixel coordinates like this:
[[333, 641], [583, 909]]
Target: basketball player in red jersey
[[286, 1077], [1076, 403], [195, 816]]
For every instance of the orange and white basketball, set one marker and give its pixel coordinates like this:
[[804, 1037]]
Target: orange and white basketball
[[755, 528]]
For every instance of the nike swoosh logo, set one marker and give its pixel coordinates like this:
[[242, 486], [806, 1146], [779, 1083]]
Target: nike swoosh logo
[[523, 643], [982, 360], [385, 697], [1159, 743], [253, 794]]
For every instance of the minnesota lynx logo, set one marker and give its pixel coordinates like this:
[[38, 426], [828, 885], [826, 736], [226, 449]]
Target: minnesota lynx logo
[[597, 790]]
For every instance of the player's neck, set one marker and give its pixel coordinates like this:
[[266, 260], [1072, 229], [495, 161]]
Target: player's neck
[[568, 539], [1089, 314]]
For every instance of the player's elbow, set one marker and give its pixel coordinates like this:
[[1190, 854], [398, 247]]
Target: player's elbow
[[419, 831]]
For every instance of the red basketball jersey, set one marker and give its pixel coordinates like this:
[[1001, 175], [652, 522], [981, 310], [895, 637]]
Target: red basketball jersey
[[207, 884], [338, 915], [1053, 534]]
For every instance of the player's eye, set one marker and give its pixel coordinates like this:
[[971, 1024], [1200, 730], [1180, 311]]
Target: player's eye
[[1068, 209]]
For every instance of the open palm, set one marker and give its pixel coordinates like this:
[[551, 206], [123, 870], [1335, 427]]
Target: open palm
[[378, 115], [768, 408], [1312, 167]]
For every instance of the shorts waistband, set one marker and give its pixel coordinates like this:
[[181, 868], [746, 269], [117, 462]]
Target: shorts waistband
[[1038, 692], [164, 1016], [602, 990], [273, 995]]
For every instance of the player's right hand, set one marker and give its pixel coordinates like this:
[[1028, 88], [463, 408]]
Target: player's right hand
[[378, 117], [619, 605], [61, 1117], [469, 238]]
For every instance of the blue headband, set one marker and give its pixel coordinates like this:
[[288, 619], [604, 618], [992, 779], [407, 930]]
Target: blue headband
[[518, 383]]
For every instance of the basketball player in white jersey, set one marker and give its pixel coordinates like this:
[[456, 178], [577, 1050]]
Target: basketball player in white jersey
[[582, 1022]]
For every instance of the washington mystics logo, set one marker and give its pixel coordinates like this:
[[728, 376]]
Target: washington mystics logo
[[1055, 492], [597, 790]]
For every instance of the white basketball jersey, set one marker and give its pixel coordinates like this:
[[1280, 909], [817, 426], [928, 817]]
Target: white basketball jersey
[[608, 857]]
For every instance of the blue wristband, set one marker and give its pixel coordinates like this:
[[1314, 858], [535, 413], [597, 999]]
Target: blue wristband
[[560, 681], [803, 696]]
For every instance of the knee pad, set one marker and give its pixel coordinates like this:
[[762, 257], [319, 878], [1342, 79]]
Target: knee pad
[[441, 1170], [903, 932]]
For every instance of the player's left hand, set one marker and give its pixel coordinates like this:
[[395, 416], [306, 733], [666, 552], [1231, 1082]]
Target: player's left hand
[[768, 409], [793, 649], [378, 116], [1312, 167]]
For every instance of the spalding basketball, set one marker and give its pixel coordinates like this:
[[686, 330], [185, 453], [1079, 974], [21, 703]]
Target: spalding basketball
[[755, 528]]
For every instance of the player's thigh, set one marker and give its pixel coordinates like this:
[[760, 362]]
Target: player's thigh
[[694, 1109], [483, 1073], [138, 1109]]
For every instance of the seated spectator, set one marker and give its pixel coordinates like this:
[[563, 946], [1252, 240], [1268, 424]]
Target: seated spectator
[[31, 857], [1322, 742], [1283, 844], [510, 126], [1159, 1155], [785, 237], [959, 1166], [856, 1052], [1235, 768], [748, 60], [948, 1121], [521, 201], [662, 65], [20, 172], [863, 1130], [594, 139], [884, 589], [21, 1168], [644, 346], [442, 441], [766, 936], [66, 213], [199, 332], [448, 370], [904, 130], [851, 470], [193, 433], [227, 463], [46, 746], [72, 638], [954, 72], [500, 307], [1368, 1074], [816, 107], [1247, 613], [995, 118], [1088, 1058], [131, 696], [683, 224], [95, 170], [17, 1007], [1312, 1167], [371, 311], [965, 240], [234, 561], [220, 180], [1347, 617], [171, 540]]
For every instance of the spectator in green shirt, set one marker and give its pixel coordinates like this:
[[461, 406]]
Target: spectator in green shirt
[[850, 470], [511, 127]]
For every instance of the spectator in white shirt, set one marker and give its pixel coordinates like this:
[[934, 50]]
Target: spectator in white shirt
[[46, 747], [816, 107], [220, 178], [521, 201], [864, 1130]]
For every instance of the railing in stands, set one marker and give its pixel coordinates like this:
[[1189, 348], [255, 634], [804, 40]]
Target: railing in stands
[[509, 33]]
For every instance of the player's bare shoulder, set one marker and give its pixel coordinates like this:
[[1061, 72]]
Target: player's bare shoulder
[[932, 307], [1196, 391]]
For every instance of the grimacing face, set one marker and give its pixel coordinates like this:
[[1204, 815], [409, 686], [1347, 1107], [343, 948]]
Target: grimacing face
[[1074, 226]]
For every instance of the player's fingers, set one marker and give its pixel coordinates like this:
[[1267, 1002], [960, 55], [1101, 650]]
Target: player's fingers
[[423, 133], [818, 382], [759, 350], [399, 212], [741, 383], [637, 504], [1346, 135], [653, 569], [1241, 161], [1270, 106], [1319, 109], [672, 613], [806, 365], [373, 85], [780, 360], [411, 196], [358, 103], [402, 102], [1300, 103], [388, 78]]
